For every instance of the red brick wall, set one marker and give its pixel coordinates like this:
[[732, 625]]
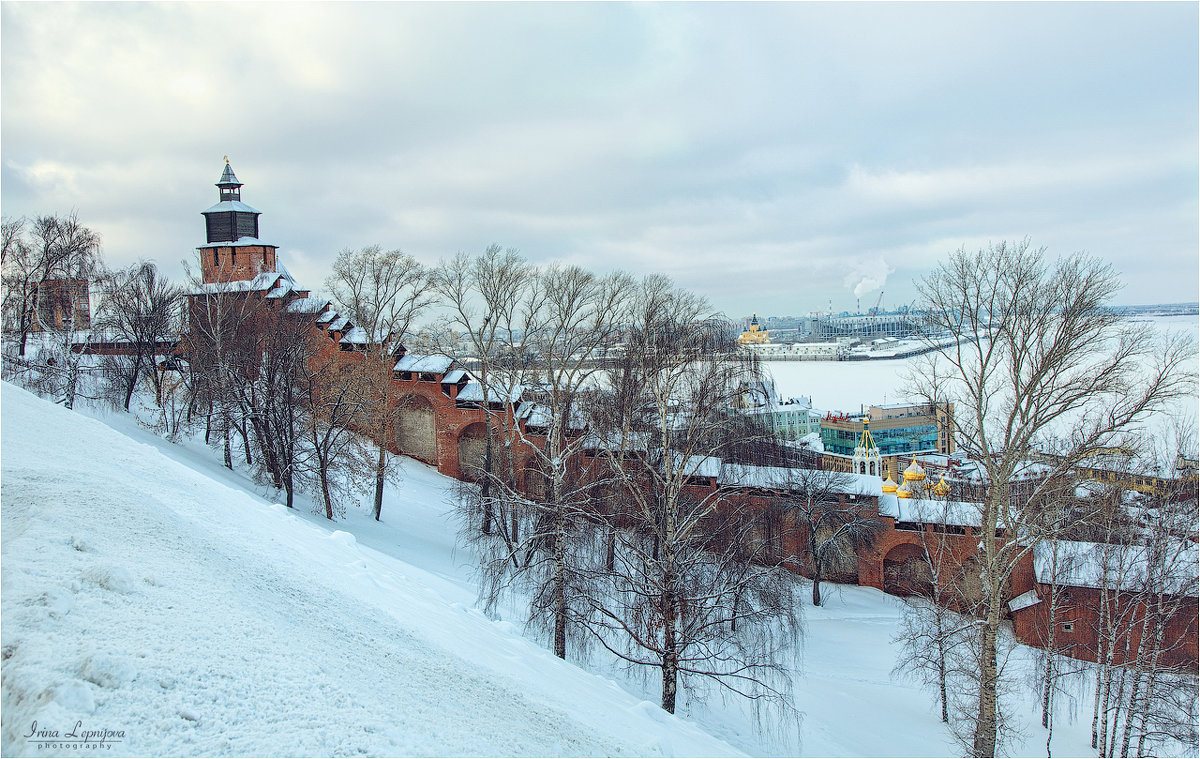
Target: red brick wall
[[1079, 608], [233, 263]]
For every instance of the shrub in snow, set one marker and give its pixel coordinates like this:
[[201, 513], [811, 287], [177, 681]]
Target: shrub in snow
[[116, 579], [106, 671]]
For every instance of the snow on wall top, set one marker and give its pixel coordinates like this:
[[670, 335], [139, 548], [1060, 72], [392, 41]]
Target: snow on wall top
[[1128, 568], [241, 242], [307, 306], [929, 511], [473, 391], [356, 336], [265, 281], [1024, 601], [785, 478], [415, 362]]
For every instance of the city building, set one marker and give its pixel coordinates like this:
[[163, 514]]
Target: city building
[[61, 304], [789, 419], [900, 430], [832, 351]]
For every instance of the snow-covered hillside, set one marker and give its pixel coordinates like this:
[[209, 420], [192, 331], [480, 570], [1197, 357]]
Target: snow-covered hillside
[[141, 596], [146, 589]]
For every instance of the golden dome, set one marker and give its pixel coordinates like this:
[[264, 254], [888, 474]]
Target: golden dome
[[914, 471], [889, 485], [941, 489], [904, 491]]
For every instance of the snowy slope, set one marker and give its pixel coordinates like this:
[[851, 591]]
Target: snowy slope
[[142, 596], [147, 588]]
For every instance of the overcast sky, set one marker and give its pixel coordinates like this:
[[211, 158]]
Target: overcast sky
[[771, 156]]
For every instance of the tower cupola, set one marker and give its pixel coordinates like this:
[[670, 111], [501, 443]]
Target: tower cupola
[[230, 219], [231, 188], [914, 472], [866, 459]]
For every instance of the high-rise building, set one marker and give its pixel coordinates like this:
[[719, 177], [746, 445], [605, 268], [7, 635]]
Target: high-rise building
[[61, 304]]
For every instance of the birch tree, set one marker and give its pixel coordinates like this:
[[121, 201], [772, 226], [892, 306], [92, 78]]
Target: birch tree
[[684, 596], [934, 638], [551, 509], [382, 292], [495, 300], [1041, 363]]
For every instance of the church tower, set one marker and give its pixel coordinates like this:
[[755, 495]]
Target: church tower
[[232, 251], [866, 454]]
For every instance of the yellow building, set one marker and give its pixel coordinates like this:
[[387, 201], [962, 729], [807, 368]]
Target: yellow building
[[755, 335]]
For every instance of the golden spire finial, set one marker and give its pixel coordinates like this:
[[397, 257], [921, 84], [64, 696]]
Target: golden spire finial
[[226, 160]]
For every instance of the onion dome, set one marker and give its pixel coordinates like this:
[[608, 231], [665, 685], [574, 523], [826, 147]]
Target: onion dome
[[889, 485], [904, 491], [914, 472], [941, 489]]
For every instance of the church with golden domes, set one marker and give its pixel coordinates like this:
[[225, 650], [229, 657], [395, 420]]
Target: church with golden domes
[[754, 334]]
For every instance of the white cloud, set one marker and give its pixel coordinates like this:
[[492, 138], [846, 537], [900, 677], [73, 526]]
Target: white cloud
[[771, 155]]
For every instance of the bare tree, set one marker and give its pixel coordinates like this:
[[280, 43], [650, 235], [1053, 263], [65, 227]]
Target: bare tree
[[382, 292], [935, 635], [496, 300], [551, 512], [684, 597], [831, 528], [1058, 673], [13, 233], [223, 343], [331, 392], [1040, 359], [49, 264], [140, 309], [57, 248], [58, 367], [1145, 570], [277, 396]]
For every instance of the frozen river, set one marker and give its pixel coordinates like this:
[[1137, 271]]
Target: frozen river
[[848, 385]]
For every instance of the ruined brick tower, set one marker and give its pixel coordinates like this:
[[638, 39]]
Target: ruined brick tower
[[233, 251]]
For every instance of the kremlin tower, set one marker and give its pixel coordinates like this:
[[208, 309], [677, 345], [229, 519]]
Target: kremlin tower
[[233, 251]]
